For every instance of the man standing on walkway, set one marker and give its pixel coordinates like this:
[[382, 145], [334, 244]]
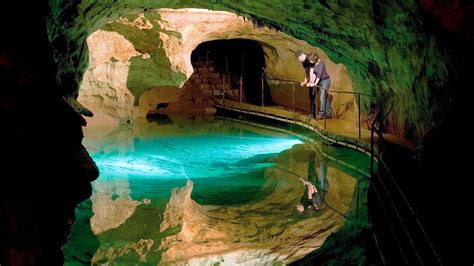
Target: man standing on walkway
[[309, 68], [323, 80], [317, 76]]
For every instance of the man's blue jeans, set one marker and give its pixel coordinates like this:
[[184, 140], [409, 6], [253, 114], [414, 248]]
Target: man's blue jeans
[[312, 95], [325, 84]]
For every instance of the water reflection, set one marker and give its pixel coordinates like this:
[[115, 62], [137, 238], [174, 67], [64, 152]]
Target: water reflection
[[204, 191], [160, 119]]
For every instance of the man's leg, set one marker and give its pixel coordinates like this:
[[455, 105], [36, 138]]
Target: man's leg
[[317, 94], [322, 99], [311, 101], [322, 96]]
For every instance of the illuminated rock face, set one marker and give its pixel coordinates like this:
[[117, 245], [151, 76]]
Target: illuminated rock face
[[104, 87], [259, 233], [110, 213], [133, 55], [391, 50]]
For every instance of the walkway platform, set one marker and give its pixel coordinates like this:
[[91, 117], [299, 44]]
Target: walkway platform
[[337, 131]]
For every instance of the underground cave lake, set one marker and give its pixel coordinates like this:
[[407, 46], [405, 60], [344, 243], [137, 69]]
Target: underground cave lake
[[205, 190]]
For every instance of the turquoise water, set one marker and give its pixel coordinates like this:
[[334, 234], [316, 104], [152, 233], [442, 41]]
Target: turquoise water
[[193, 157], [140, 166]]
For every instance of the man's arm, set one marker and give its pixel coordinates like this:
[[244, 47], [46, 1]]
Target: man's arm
[[318, 70], [303, 181], [314, 79], [304, 82], [313, 84]]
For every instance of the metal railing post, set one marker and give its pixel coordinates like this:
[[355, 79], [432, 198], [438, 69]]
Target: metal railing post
[[240, 89], [372, 144], [223, 87], [357, 210], [294, 104], [324, 106], [358, 114], [372, 150], [226, 65], [380, 133], [262, 91]]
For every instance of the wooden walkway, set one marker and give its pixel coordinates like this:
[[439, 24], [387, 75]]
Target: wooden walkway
[[337, 131]]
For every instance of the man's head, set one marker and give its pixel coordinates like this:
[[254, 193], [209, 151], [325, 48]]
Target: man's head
[[301, 56], [300, 207], [312, 58]]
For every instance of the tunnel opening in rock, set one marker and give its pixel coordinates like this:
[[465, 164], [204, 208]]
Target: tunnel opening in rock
[[233, 65]]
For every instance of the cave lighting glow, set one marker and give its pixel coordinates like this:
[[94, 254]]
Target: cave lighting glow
[[190, 157]]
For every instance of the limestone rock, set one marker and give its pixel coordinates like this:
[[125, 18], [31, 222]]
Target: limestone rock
[[110, 213], [252, 233], [104, 87], [118, 75], [387, 49]]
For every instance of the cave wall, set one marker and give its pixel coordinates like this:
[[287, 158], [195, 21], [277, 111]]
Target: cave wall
[[144, 59], [388, 50], [45, 171]]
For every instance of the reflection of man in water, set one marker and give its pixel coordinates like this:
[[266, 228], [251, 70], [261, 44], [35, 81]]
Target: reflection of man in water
[[322, 182], [318, 176], [313, 200]]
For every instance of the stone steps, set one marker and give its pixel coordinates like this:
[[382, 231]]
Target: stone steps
[[228, 92], [211, 81], [207, 86]]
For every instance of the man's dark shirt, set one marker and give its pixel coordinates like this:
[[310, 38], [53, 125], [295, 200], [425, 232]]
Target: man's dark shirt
[[307, 65], [320, 71]]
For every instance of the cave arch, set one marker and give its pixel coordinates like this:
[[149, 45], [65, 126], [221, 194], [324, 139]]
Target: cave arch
[[137, 62], [236, 60]]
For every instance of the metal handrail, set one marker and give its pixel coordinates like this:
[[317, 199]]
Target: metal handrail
[[356, 94], [336, 91], [377, 128], [293, 82]]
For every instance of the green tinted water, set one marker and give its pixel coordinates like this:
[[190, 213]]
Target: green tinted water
[[225, 160]]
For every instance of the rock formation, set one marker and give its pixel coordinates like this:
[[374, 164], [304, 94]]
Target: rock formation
[[45, 169], [390, 50], [118, 75]]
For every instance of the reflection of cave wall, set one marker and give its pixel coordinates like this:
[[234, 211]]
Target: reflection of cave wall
[[146, 58], [231, 234]]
